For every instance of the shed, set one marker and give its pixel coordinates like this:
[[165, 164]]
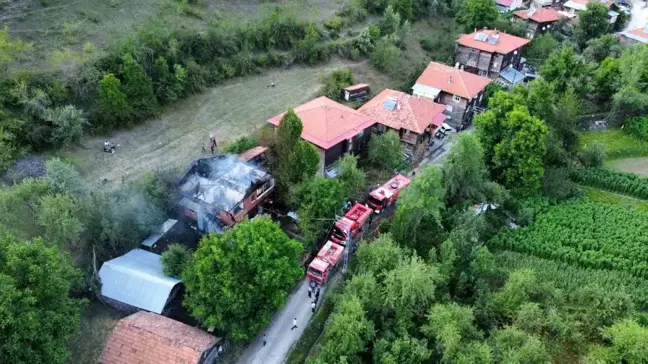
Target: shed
[[137, 280], [359, 91], [151, 243]]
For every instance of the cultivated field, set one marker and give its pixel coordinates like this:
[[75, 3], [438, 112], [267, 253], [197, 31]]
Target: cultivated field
[[637, 165], [228, 111]]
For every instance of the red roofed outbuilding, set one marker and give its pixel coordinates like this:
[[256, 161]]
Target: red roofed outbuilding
[[487, 52], [538, 20], [413, 118], [333, 128], [459, 91], [148, 338]]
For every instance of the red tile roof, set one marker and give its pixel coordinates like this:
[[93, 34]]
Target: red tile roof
[[413, 114], [326, 122], [506, 3], [252, 153], [148, 338], [356, 86], [453, 81], [505, 44], [639, 32], [540, 15]]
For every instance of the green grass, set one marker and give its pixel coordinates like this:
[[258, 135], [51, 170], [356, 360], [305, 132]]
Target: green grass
[[600, 196], [97, 324], [618, 144]]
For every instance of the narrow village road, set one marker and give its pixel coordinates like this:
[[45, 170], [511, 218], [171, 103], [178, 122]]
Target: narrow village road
[[280, 337]]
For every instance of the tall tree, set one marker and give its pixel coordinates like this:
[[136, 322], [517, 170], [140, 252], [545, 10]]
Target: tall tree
[[632, 96], [318, 201], [592, 23], [602, 47], [380, 257], [37, 313], [607, 80], [410, 288], [540, 48], [627, 341], [138, 88], [56, 214], [238, 279], [476, 14], [451, 327], [352, 177], [386, 150], [464, 173], [512, 345], [565, 68], [417, 223], [113, 110]]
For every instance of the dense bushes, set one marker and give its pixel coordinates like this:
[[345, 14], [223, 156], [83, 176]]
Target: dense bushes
[[621, 182], [242, 144], [334, 82], [638, 127]]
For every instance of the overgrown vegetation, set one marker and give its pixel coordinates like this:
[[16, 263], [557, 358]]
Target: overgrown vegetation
[[620, 182]]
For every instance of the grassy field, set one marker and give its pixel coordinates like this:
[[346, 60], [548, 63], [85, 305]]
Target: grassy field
[[56, 24], [618, 144], [638, 165], [97, 324], [597, 195]]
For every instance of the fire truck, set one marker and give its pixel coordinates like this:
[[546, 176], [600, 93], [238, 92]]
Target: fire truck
[[385, 195], [352, 224], [327, 259]]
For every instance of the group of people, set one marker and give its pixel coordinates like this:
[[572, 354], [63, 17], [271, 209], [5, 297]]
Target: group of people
[[109, 147], [313, 292], [212, 144]]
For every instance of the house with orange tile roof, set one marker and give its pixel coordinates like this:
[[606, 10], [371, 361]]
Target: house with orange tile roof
[[459, 91], [334, 129], [634, 36], [573, 7], [148, 338], [414, 119], [537, 20], [487, 52]]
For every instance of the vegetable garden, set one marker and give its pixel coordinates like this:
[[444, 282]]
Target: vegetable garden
[[620, 182], [587, 234], [571, 278]]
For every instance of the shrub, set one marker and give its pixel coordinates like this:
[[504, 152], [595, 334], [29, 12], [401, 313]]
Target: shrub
[[175, 259], [385, 55], [334, 24], [113, 109], [242, 144], [334, 82], [593, 155], [68, 124], [620, 182], [386, 150], [638, 127], [138, 87], [355, 10]]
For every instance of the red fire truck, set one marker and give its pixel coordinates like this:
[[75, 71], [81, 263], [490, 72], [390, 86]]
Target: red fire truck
[[387, 194], [323, 265], [351, 224]]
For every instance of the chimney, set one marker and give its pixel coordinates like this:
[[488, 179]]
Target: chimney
[[449, 79], [457, 65]]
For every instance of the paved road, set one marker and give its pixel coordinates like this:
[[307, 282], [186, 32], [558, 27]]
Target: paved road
[[280, 337]]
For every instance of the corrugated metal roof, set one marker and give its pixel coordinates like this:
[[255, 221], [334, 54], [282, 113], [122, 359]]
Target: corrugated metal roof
[[137, 279], [512, 75], [163, 229]]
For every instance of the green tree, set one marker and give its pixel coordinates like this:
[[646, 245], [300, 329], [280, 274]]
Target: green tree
[[607, 80], [631, 98], [56, 213], [540, 48], [384, 55], [514, 143], [476, 14], [347, 332], [451, 327], [175, 259], [601, 48], [38, 314], [410, 288], [352, 177], [404, 349], [565, 68], [404, 8], [628, 344], [237, 280], [67, 123], [334, 82], [386, 150], [138, 88], [592, 23], [568, 111], [317, 202], [19, 205], [417, 223], [512, 345], [379, 257], [464, 173], [113, 110]]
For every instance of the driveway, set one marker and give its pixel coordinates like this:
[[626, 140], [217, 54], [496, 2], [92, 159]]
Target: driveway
[[279, 335]]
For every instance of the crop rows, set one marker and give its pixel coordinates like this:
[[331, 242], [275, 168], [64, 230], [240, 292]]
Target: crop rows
[[587, 234], [570, 278], [620, 182]]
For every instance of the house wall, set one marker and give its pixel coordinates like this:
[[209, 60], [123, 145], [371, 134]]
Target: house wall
[[484, 63], [253, 200], [458, 110], [335, 152]]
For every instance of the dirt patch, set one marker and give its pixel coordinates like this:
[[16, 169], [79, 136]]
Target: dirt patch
[[171, 142], [634, 165]]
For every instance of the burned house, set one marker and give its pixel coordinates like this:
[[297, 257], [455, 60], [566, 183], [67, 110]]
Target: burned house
[[218, 192]]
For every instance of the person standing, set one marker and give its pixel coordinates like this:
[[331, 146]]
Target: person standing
[[310, 290], [317, 292], [294, 326], [264, 340], [313, 304], [212, 148], [203, 148]]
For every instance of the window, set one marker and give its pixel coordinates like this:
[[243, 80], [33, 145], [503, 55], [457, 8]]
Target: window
[[238, 208], [261, 190], [456, 98]]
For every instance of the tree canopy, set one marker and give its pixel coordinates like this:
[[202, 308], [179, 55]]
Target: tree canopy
[[38, 315], [248, 269], [476, 14], [386, 150]]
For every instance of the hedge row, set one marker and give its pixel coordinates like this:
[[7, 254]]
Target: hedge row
[[620, 182]]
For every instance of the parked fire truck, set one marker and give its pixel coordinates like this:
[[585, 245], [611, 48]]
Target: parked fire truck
[[327, 259], [352, 224], [385, 195]]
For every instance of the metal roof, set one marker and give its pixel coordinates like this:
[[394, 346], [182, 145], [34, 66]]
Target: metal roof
[[136, 278], [512, 75], [163, 229]]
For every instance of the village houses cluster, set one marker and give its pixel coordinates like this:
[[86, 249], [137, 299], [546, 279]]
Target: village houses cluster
[[218, 192]]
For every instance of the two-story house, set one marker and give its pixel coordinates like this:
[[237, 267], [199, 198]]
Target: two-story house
[[537, 20], [458, 90], [573, 7], [414, 119], [487, 52]]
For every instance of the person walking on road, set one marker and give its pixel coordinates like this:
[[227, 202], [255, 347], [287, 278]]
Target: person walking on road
[[313, 304], [294, 326], [264, 340], [310, 291]]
